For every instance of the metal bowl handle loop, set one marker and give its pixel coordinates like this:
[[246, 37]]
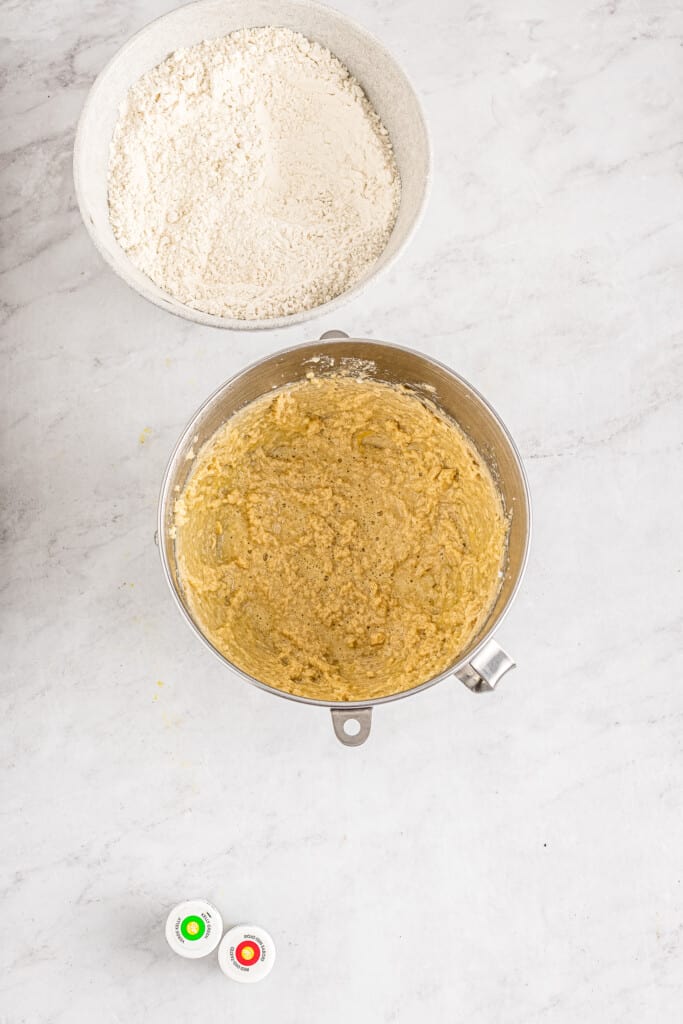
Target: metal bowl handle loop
[[485, 670], [362, 716]]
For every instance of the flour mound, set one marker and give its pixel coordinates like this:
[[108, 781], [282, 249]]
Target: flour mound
[[250, 177]]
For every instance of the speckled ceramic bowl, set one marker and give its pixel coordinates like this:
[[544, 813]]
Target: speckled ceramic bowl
[[380, 76]]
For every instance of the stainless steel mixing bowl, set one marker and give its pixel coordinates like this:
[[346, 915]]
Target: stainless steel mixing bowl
[[484, 662]]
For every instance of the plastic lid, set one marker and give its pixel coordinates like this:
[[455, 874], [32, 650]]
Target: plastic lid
[[246, 953], [194, 929]]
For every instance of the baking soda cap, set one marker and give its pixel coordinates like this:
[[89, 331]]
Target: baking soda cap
[[246, 953], [194, 929]]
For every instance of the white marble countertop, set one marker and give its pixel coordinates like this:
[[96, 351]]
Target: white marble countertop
[[492, 860]]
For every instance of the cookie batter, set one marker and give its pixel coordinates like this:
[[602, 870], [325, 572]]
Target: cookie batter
[[340, 539]]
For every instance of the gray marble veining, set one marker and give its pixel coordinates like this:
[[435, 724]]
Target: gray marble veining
[[510, 858]]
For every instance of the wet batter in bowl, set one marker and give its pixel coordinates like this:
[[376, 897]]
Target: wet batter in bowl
[[340, 539]]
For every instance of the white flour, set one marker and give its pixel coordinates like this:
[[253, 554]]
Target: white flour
[[250, 177]]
